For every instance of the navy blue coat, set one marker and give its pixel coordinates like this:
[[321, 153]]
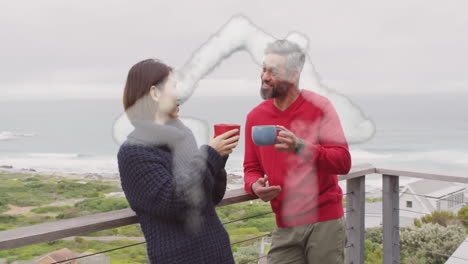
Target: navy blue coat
[[165, 214]]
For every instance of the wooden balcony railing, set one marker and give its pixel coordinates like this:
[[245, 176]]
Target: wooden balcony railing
[[355, 215]]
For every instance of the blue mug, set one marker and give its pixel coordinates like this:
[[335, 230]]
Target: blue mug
[[265, 135]]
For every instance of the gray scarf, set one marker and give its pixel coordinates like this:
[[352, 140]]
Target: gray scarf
[[188, 164]]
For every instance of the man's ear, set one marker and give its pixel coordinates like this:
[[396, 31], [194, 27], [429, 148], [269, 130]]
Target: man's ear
[[155, 93], [295, 77]]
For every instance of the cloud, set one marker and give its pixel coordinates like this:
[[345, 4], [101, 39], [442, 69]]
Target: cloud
[[238, 34]]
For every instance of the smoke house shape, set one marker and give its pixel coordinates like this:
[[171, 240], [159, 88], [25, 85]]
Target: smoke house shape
[[240, 34]]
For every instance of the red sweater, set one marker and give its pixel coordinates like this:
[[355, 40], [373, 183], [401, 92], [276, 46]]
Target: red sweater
[[309, 184]]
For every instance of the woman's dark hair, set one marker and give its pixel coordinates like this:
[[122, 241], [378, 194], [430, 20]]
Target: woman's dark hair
[[141, 77]]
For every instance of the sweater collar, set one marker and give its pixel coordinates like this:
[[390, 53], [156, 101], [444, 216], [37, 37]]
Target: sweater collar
[[291, 107]]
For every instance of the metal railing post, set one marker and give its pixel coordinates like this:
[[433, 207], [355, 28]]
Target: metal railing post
[[355, 206], [391, 219]]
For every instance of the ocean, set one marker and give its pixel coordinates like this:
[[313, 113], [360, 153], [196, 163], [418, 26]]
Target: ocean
[[427, 132]]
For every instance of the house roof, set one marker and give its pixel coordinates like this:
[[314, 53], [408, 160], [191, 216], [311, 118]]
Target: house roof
[[61, 255], [425, 187], [434, 189], [446, 191]]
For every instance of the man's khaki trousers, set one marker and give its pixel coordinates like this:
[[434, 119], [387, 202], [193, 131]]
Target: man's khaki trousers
[[317, 243]]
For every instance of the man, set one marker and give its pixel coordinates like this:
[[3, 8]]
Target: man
[[298, 175]]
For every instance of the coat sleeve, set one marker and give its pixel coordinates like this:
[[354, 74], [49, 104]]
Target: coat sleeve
[[215, 185], [219, 188]]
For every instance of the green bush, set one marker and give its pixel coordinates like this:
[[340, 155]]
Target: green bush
[[97, 205], [123, 231], [262, 224], [9, 219], [416, 243], [72, 189], [36, 191], [246, 253], [31, 180], [136, 254], [373, 245], [244, 231], [70, 213], [4, 227], [252, 209], [26, 197], [3, 206], [413, 258], [241, 210], [440, 217], [462, 215], [221, 214], [227, 210], [421, 242], [50, 209], [417, 222], [93, 206], [374, 200], [373, 252], [374, 235]]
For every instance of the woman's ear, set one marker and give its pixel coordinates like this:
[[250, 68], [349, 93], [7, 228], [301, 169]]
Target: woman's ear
[[155, 93]]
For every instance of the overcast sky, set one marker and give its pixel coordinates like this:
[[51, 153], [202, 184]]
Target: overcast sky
[[83, 49]]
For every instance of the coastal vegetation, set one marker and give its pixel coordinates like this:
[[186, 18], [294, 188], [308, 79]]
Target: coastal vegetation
[[51, 198], [431, 240], [28, 199]]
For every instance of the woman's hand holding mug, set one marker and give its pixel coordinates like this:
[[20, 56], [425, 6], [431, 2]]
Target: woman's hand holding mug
[[225, 142]]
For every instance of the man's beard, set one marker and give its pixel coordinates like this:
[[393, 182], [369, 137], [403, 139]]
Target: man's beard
[[276, 91]]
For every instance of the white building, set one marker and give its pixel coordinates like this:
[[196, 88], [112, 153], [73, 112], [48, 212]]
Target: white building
[[426, 196], [420, 198]]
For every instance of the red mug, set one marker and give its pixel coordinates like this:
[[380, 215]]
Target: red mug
[[223, 128]]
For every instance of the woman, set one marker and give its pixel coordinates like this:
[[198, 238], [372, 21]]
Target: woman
[[171, 184]]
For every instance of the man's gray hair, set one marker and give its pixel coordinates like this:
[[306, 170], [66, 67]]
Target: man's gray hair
[[295, 57]]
